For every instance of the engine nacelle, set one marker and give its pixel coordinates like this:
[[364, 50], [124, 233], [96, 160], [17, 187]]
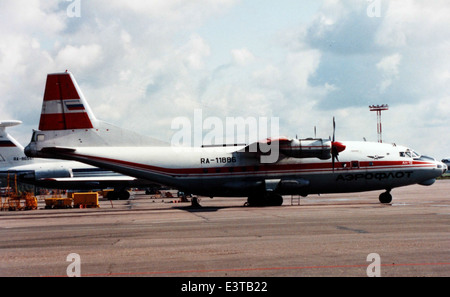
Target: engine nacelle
[[307, 148], [322, 149], [52, 173]]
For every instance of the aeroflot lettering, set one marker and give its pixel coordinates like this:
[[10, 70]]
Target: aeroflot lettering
[[370, 176]]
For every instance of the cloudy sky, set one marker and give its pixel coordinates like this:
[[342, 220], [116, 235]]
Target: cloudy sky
[[141, 64]]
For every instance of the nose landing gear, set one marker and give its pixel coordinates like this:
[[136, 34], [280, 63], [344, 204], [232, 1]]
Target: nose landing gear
[[386, 197]]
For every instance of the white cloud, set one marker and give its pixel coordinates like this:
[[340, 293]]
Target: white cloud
[[242, 56], [143, 63], [415, 23], [389, 68], [80, 58], [194, 52]]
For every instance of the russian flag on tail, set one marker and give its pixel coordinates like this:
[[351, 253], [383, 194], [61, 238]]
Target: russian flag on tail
[[73, 105], [64, 106]]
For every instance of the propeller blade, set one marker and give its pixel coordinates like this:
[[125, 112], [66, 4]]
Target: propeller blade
[[334, 129], [332, 161], [333, 149], [336, 146], [334, 154]]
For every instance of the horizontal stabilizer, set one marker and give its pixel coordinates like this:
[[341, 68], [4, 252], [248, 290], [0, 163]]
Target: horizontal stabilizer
[[7, 141], [92, 179], [9, 123], [58, 150]]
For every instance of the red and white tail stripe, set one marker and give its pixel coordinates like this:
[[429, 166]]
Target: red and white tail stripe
[[64, 106]]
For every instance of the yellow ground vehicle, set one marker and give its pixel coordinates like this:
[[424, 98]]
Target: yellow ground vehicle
[[13, 200], [85, 200], [58, 203]]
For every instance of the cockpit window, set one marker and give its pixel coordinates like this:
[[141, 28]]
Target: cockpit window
[[415, 155], [37, 137], [410, 154]]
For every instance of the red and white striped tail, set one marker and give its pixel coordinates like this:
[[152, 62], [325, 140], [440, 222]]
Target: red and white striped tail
[[64, 106]]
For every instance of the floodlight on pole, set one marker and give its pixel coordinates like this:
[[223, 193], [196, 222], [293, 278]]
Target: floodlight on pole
[[378, 109]]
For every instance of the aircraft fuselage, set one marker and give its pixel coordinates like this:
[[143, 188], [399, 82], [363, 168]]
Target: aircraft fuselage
[[224, 171]]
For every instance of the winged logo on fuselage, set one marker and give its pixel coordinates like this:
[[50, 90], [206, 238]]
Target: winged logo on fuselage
[[376, 157]]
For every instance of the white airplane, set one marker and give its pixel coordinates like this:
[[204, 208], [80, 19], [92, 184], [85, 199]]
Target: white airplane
[[68, 129], [58, 174]]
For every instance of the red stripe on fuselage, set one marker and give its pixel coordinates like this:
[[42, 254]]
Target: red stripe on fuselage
[[7, 143], [261, 169]]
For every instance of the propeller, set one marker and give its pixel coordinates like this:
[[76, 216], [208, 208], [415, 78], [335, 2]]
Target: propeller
[[336, 146]]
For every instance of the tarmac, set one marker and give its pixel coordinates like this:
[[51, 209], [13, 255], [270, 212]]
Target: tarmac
[[329, 235]]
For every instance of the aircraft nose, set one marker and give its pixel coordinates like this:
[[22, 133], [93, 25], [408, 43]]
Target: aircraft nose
[[442, 166], [28, 151]]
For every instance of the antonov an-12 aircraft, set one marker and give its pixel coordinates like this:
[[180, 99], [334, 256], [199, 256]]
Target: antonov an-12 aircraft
[[68, 129]]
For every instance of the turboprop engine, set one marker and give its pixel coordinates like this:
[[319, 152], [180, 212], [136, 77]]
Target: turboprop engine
[[322, 149], [306, 148]]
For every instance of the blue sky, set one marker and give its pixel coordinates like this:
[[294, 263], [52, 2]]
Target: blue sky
[[143, 63]]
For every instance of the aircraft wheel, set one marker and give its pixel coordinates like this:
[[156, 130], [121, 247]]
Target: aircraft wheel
[[274, 200], [118, 195], [385, 197], [265, 200], [112, 195], [255, 200], [124, 195], [195, 202]]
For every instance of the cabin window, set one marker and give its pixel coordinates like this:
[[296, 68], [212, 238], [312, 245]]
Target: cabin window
[[40, 137]]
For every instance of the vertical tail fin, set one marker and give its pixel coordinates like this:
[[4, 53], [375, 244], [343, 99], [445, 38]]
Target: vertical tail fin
[[64, 105], [66, 111]]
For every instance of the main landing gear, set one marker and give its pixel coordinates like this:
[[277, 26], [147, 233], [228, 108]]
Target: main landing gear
[[118, 195], [386, 197], [266, 199]]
